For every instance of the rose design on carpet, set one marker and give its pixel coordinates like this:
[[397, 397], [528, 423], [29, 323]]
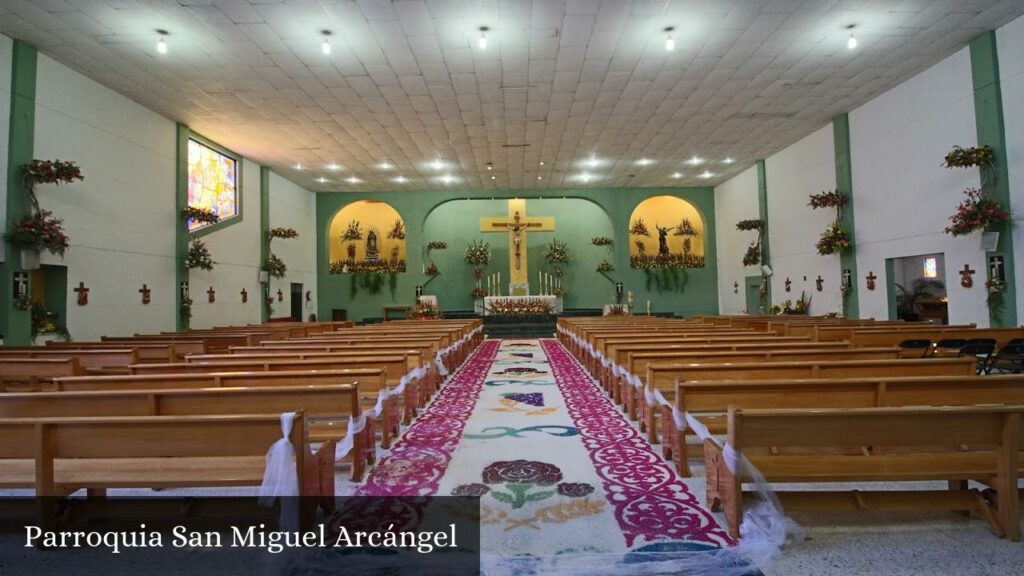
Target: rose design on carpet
[[524, 481], [518, 402]]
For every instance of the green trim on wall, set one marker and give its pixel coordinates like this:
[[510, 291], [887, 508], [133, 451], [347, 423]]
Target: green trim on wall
[[180, 234], [991, 130], [762, 209], [264, 244], [890, 287], [17, 324], [844, 182], [239, 160]]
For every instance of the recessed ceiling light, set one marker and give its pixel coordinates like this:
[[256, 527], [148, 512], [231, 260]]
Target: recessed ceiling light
[[729, 160], [490, 166], [437, 164], [333, 167], [298, 165], [482, 41], [705, 175], [541, 162], [585, 177], [677, 175], [326, 46], [540, 177], [670, 44], [447, 179], [322, 180], [400, 179], [695, 161], [385, 166], [494, 177], [852, 42], [353, 180], [645, 162], [593, 161], [161, 45]]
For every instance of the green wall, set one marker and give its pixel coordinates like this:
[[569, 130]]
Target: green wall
[[579, 216]]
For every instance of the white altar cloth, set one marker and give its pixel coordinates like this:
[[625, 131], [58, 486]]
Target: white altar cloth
[[553, 301]]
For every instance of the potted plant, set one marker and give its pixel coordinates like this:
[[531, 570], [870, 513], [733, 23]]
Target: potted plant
[[907, 299]]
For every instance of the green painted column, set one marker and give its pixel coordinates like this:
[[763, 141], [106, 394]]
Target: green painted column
[[844, 183], [17, 324], [264, 244], [762, 208], [988, 117], [180, 234]]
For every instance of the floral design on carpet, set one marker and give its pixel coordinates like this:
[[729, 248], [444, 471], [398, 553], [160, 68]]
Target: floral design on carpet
[[522, 372], [651, 502], [518, 402], [516, 382], [492, 432]]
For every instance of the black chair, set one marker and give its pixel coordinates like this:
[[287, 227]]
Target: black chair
[[1009, 360], [947, 347], [982, 350], [917, 344]]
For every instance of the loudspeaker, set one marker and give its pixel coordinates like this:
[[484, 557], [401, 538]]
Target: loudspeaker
[[989, 241], [766, 270]]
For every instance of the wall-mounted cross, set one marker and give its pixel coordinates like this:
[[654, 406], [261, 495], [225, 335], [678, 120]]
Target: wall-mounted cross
[[211, 295], [83, 294], [735, 287], [871, 280], [145, 290], [966, 274], [789, 284], [245, 295], [280, 295], [818, 282]]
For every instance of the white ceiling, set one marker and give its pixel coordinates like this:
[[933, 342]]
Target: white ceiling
[[573, 79]]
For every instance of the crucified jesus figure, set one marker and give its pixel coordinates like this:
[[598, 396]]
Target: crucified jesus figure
[[516, 226]]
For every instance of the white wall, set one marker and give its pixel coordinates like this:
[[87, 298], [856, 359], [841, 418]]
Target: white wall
[[120, 219], [294, 207], [1010, 45], [735, 200], [903, 197], [805, 168], [6, 59]]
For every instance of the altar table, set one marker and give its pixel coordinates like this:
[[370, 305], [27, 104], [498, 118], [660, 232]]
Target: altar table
[[553, 301]]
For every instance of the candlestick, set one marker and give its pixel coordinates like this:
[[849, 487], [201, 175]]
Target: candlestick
[[499, 283], [648, 307]]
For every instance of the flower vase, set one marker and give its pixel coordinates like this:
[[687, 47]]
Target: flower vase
[[30, 259]]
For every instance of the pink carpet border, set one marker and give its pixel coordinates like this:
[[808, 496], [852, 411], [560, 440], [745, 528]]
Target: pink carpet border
[[651, 502], [419, 459]]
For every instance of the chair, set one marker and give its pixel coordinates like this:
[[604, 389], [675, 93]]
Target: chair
[[947, 347], [1009, 360], [917, 344], [982, 349]]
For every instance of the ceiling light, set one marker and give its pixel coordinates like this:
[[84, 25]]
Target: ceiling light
[[437, 164], [489, 166], [705, 175], [593, 162], [353, 180], [326, 46], [695, 161], [645, 162], [161, 46], [400, 179], [585, 177], [729, 160], [333, 166], [447, 179], [852, 42], [482, 42], [540, 177], [541, 162], [670, 44], [494, 177], [677, 175], [298, 165], [385, 166], [322, 180]]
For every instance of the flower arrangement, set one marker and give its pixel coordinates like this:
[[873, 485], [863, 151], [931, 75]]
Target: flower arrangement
[[40, 231], [424, 311], [617, 310], [789, 308], [44, 320], [48, 172], [828, 199], [195, 217], [994, 288], [478, 293], [478, 253], [478, 273], [976, 212], [199, 256], [968, 157], [685, 228], [510, 307], [749, 225], [833, 240], [432, 270], [353, 232], [639, 228], [605, 266], [558, 291], [283, 233], [186, 308], [753, 255], [601, 241], [557, 252], [397, 231], [275, 267], [436, 245], [24, 303]]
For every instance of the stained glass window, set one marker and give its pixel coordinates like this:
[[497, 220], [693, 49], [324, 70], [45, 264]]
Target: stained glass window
[[931, 269], [212, 181]]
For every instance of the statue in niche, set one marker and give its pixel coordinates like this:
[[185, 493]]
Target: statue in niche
[[662, 241], [372, 252]]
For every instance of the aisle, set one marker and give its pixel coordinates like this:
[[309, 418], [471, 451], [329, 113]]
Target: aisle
[[558, 469]]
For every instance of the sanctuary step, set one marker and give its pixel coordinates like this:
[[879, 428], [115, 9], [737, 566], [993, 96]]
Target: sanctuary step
[[501, 328]]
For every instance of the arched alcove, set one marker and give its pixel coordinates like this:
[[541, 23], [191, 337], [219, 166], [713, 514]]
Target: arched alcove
[[666, 232], [366, 236]]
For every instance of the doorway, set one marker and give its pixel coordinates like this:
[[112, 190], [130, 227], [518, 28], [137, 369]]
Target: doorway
[[916, 288], [752, 292], [297, 301]]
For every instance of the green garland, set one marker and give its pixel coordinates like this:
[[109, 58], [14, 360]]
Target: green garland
[[666, 279]]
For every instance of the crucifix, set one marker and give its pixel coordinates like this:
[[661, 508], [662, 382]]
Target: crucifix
[[516, 226], [211, 295], [20, 284], [789, 285], [966, 274], [83, 294], [818, 282], [145, 290], [871, 280], [245, 295], [280, 295]]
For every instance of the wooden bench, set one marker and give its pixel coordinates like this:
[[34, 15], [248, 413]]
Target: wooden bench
[[989, 437], [32, 374], [58, 456], [149, 352], [108, 360], [330, 405]]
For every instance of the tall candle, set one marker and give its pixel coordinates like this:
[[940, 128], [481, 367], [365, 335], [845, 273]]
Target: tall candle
[[499, 284], [648, 307]]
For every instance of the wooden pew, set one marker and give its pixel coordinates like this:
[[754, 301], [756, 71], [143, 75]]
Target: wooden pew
[[989, 437], [149, 352], [28, 373], [58, 456], [99, 360], [330, 405]]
